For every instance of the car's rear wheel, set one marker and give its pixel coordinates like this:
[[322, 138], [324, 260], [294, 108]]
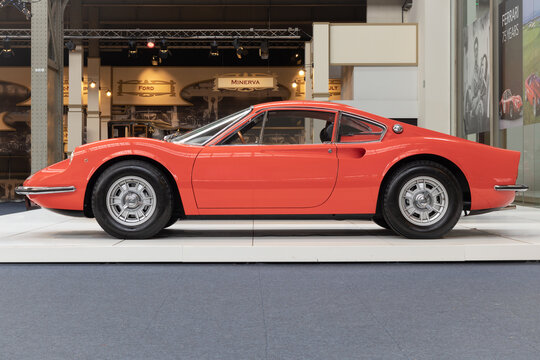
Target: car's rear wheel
[[132, 200], [423, 200]]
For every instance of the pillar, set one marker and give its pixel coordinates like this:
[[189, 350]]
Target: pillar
[[75, 106], [46, 82], [93, 125], [308, 68], [321, 61], [105, 101]]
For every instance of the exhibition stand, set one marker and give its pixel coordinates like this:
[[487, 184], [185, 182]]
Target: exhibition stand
[[43, 236]]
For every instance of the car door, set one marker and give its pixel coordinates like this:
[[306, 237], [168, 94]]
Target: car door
[[287, 161]]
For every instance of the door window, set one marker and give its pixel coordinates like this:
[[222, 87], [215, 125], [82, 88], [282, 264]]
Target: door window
[[249, 134], [354, 129], [285, 127]]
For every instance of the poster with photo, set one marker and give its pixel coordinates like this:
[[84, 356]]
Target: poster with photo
[[531, 61], [476, 68], [510, 99]]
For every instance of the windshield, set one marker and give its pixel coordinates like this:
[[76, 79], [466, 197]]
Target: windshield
[[203, 134]]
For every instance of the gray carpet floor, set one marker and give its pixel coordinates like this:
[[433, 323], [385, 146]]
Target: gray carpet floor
[[270, 311]]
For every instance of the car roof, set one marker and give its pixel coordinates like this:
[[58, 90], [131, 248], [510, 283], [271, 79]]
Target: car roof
[[306, 103]]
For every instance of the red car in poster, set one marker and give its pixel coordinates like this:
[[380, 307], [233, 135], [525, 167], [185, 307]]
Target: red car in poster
[[298, 158], [510, 105], [532, 91]]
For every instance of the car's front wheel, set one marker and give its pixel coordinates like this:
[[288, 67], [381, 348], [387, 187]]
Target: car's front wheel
[[132, 200], [422, 200]]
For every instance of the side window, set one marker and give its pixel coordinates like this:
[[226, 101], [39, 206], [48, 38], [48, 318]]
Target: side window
[[249, 134], [284, 127], [353, 129]]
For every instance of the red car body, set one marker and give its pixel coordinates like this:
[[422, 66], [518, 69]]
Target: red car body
[[329, 178], [532, 91], [510, 105]]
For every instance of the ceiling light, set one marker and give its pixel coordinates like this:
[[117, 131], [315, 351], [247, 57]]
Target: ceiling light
[[164, 50], [132, 48], [70, 45], [7, 51], [294, 85], [108, 93], [150, 43], [301, 72], [240, 51], [214, 51], [264, 52], [93, 84]]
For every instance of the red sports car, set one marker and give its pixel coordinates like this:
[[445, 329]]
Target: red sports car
[[298, 158], [510, 105], [532, 91]]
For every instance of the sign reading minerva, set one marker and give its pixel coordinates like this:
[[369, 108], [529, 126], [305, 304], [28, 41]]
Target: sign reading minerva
[[251, 82]]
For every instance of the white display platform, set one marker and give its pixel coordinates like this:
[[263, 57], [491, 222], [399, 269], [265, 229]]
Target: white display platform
[[43, 236]]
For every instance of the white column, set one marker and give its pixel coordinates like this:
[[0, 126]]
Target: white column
[[93, 125], [384, 11], [308, 71], [321, 61], [434, 63], [105, 101], [75, 106]]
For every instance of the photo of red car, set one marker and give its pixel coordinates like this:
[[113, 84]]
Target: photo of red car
[[532, 91], [289, 158], [510, 105]]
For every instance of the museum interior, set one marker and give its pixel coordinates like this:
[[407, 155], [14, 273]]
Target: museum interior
[[81, 78]]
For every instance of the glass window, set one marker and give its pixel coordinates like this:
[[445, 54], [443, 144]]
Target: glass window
[[353, 129], [249, 134], [298, 127], [203, 134]]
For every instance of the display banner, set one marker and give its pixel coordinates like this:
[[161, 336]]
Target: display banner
[[245, 83], [476, 69], [531, 61], [510, 64]]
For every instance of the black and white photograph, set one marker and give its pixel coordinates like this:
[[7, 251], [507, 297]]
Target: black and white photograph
[[476, 69]]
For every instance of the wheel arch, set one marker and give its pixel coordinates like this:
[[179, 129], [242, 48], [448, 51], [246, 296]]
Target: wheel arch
[[178, 207], [452, 167]]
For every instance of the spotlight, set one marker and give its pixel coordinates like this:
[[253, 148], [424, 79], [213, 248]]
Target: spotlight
[[108, 93], [240, 51], [296, 58], [132, 48], [164, 50], [156, 60], [294, 85], [301, 72], [264, 52], [93, 84], [214, 51], [7, 51], [150, 43], [70, 45]]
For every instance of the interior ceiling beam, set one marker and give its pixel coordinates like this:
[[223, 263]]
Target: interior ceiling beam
[[233, 3], [172, 34]]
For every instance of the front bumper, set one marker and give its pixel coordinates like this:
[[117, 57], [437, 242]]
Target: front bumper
[[39, 190], [516, 187]]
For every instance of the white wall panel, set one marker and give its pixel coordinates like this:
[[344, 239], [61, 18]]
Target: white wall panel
[[373, 44]]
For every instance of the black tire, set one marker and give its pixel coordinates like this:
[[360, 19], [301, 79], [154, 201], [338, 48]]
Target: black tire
[[437, 225], [172, 221], [379, 220], [156, 186]]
